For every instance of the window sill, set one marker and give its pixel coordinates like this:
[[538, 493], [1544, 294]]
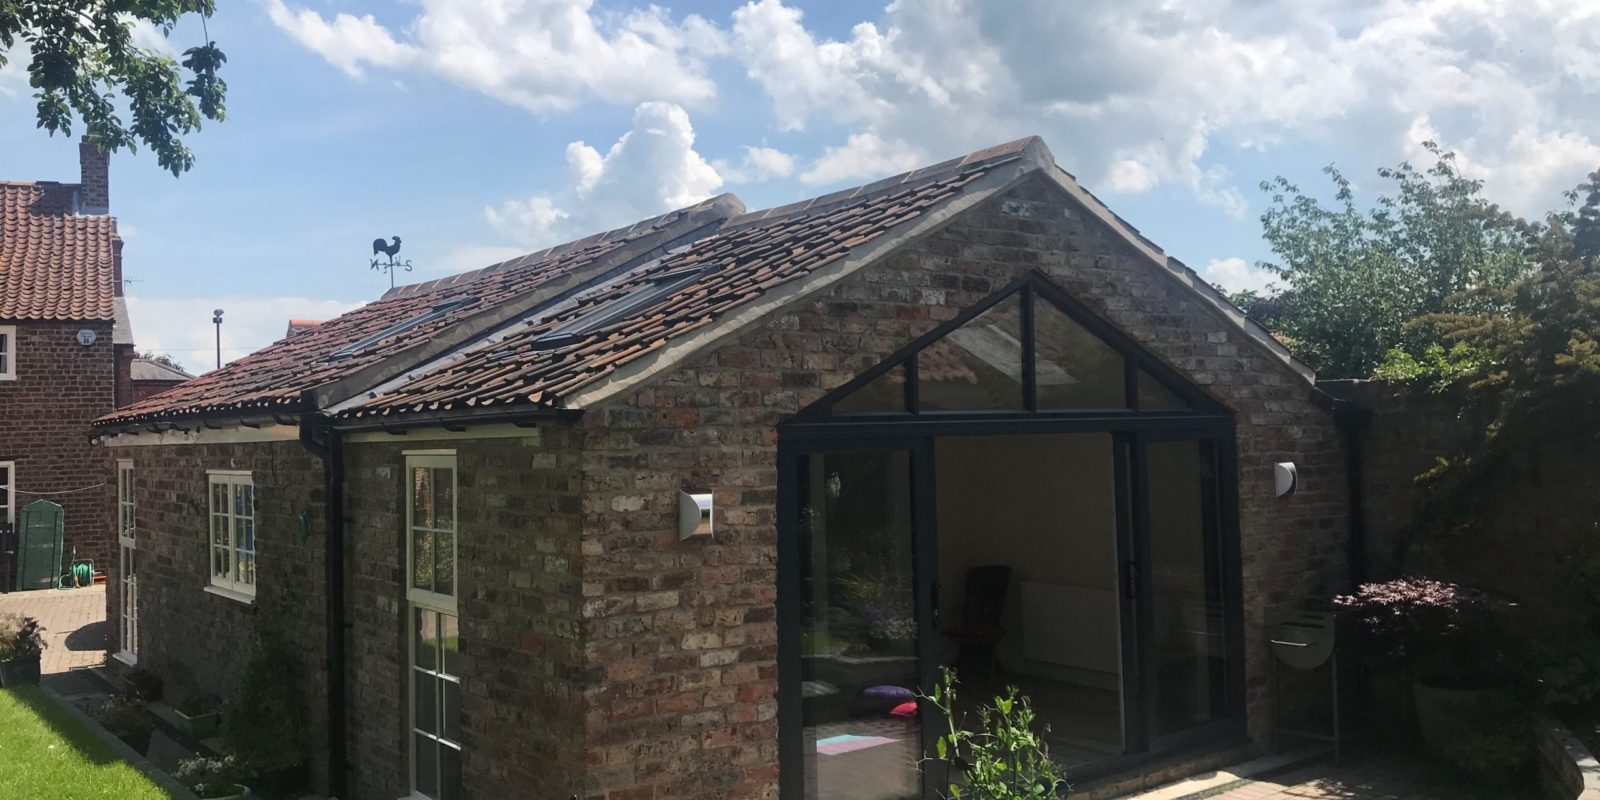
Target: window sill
[[126, 658], [238, 597]]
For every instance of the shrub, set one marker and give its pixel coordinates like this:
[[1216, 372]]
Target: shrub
[[212, 777], [1002, 758], [20, 637], [123, 716], [1441, 633], [262, 724]]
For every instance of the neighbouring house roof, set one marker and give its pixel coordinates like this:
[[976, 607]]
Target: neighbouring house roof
[[551, 331], [145, 369], [55, 264], [300, 326]]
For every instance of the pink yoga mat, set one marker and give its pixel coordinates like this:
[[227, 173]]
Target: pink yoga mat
[[847, 743]]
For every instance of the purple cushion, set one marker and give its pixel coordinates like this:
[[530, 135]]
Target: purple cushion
[[884, 698]]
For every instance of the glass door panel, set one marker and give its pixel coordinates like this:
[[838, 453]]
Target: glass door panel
[[1188, 662], [1029, 591], [859, 627]]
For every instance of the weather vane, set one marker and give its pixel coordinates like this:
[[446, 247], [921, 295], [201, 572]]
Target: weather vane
[[392, 250]]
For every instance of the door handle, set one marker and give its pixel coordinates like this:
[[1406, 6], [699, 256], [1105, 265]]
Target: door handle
[[936, 604]]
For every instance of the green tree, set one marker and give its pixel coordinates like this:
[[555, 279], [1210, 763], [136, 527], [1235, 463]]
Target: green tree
[[1355, 281], [83, 55]]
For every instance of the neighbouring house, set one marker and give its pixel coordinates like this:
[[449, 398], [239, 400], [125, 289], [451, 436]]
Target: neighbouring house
[[689, 509], [65, 352], [300, 326], [151, 377]]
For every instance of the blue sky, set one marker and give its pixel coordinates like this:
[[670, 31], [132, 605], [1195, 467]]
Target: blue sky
[[453, 123]]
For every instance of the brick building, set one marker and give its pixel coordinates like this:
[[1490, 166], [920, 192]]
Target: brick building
[[65, 350], [961, 416], [149, 377]]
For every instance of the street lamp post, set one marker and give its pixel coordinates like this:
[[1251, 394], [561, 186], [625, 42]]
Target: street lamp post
[[216, 319]]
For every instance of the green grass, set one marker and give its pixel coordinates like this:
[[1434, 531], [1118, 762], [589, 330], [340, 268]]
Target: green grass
[[46, 752]]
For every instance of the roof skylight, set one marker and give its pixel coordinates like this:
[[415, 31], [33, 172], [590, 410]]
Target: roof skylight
[[657, 288], [425, 317]]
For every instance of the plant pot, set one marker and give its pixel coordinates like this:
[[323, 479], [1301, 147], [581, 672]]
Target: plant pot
[[142, 686], [19, 672], [201, 726], [1444, 716], [240, 792], [138, 740]]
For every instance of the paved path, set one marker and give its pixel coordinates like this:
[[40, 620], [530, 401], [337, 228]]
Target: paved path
[[74, 623], [1371, 778]]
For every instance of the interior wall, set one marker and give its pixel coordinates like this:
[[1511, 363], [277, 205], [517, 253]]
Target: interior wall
[[1046, 506]]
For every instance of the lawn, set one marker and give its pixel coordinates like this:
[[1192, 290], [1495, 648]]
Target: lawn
[[49, 753]]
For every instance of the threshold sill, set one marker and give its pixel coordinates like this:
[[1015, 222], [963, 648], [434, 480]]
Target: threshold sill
[[126, 658], [238, 597]]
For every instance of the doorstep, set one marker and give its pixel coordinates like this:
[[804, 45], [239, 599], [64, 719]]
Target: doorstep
[[1236, 776]]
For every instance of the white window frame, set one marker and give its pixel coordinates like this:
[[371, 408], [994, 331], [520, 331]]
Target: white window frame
[[432, 459], [8, 352], [8, 492], [127, 565], [430, 601], [233, 584]]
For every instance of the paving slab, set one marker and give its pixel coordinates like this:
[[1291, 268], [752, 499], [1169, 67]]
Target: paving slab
[[74, 622]]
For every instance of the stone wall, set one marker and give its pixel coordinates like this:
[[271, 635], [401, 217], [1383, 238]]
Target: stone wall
[[519, 591], [62, 386], [199, 641], [682, 635]]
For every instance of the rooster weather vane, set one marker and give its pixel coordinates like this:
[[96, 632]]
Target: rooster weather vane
[[392, 250]]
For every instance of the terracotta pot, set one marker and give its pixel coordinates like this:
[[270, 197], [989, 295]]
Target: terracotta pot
[[19, 672]]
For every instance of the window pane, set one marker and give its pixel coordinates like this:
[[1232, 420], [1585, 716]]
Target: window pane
[[425, 775], [444, 559], [424, 631], [1155, 396], [449, 773], [977, 366], [1075, 369], [425, 702], [219, 499], [422, 559], [422, 497], [444, 486], [221, 563], [247, 500], [887, 392], [450, 714], [247, 568], [450, 643]]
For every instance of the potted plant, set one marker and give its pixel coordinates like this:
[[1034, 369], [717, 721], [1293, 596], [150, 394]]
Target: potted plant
[[142, 684], [126, 719], [21, 643], [1002, 757], [1453, 646], [214, 778], [201, 715]]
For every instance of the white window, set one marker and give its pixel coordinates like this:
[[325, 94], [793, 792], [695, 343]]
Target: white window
[[435, 740], [8, 492], [8, 352], [233, 532], [127, 541]]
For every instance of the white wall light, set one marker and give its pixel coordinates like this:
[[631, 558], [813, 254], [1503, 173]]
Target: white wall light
[[694, 514], [1285, 478]]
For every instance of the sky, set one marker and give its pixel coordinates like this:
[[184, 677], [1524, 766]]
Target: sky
[[476, 130]]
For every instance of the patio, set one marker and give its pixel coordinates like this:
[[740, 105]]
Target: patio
[[74, 622]]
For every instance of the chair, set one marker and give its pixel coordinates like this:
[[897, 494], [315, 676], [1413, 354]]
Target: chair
[[977, 633]]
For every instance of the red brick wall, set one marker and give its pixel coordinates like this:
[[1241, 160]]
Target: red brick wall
[[681, 636], [201, 642], [144, 389], [44, 426], [518, 560]]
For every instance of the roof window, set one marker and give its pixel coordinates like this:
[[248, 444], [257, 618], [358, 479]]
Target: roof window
[[655, 289], [425, 317]]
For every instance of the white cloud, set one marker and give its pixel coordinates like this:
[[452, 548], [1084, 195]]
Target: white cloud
[[181, 326], [1235, 275], [1136, 93], [651, 169], [864, 156], [541, 55], [759, 164]]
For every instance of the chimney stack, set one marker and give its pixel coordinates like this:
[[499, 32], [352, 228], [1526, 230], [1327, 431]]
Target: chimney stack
[[94, 166]]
